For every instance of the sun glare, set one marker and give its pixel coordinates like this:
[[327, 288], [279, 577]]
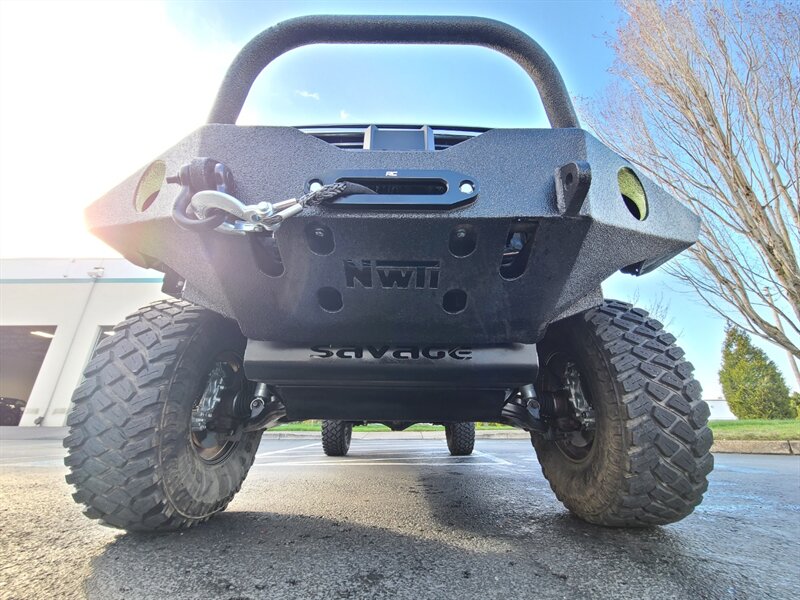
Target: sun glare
[[89, 92]]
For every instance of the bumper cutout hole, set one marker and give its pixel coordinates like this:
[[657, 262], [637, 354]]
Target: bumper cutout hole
[[517, 252], [149, 185], [463, 239], [454, 301], [267, 255], [632, 193], [320, 239], [330, 299]]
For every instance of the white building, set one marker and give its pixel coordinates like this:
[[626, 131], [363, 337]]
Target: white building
[[54, 311], [720, 411]]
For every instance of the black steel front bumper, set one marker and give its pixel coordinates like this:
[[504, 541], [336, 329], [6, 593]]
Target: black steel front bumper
[[393, 267]]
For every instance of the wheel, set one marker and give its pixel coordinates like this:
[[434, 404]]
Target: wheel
[[139, 454], [336, 436], [460, 438], [642, 454]]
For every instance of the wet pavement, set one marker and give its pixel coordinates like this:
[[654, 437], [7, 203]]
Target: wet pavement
[[400, 519]]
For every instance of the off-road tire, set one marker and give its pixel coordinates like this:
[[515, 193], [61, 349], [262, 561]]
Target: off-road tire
[[336, 436], [130, 457], [650, 456], [460, 438]]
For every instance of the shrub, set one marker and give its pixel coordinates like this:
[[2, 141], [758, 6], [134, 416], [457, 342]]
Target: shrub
[[794, 400], [752, 384]]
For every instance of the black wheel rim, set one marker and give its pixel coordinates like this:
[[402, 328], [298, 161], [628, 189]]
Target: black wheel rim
[[225, 381], [568, 385]]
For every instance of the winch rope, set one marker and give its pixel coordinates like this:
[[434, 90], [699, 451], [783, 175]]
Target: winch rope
[[333, 191], [184, 213]]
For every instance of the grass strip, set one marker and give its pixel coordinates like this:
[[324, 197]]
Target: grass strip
[[753, 429]]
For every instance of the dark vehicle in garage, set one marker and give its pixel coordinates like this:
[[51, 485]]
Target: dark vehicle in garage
[[11, 410]]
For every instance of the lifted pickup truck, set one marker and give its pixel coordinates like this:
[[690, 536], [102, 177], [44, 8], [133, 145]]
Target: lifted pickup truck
[[392, 274]]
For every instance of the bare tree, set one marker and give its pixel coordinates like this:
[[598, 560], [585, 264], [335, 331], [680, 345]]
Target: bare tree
[[659, 308], [708, 105]]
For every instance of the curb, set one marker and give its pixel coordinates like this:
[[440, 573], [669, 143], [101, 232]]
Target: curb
[[33, 433], [756, 447]]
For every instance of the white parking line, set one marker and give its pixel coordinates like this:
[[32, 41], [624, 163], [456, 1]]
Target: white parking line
[[17, 459], [260, 454], [377, 454], [368, 457], [495, 459], [374, 452], [364, 463], [36, 463]]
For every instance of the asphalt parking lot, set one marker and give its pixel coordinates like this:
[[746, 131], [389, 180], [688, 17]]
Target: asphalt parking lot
[[401, 519]]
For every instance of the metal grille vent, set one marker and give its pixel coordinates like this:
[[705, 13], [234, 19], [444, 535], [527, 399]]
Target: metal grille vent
[[352, 137]]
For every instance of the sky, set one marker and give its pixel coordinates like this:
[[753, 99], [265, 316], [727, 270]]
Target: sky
[[91, 91]]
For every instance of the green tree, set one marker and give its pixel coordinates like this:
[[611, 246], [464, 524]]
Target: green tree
[[752, 384], [794, 400]]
